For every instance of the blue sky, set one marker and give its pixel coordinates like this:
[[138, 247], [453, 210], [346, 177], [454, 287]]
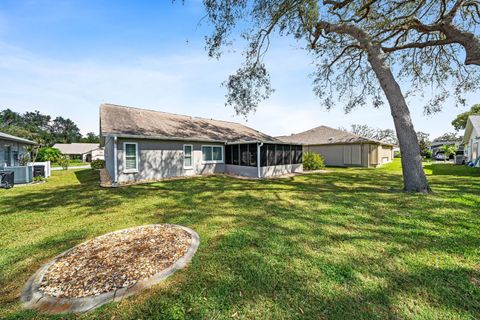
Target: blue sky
[[66, 57]]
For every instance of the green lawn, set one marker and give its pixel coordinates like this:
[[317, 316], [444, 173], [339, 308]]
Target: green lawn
[[346, 244], [71, 163]]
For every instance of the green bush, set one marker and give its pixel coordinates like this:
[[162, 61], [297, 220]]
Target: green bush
[[97, 164], [38, 179], [64, 161], [397, 154], [312, 161], [48, 154], [428, 154]]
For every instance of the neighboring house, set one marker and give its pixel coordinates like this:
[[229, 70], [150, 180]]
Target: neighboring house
[[12, 149], [436, 146], [82, 151], [471, 139], [145, 145], [342, 148]]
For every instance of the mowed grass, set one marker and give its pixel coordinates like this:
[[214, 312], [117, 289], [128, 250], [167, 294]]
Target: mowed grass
[[345, 244]]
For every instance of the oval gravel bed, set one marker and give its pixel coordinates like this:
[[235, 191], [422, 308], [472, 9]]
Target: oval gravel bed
[[110, 267]]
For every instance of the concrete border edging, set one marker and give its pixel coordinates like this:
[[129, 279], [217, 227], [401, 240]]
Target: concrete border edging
[[33, 298]]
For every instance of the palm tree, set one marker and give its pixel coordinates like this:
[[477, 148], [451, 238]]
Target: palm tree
[[449, 150]]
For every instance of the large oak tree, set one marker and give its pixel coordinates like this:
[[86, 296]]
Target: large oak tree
[[363, 50]]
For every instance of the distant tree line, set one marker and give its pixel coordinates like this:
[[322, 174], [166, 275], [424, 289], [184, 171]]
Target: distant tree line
[[389, 136], [383, 135], [42, 129]]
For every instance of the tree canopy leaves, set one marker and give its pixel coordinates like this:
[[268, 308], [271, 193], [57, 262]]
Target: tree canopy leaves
[[430, 43], [41, 128], [460, 122]]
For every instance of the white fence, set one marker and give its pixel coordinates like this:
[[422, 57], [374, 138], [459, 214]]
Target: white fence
[[47, 169]]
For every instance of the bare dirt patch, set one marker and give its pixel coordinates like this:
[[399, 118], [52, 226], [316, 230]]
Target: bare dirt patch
[[114, 261]]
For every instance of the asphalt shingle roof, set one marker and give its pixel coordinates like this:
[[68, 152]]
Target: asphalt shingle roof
[[128, 121], [326, 135]]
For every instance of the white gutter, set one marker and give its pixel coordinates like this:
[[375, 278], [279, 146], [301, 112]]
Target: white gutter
[[259, 146], [115, 160]]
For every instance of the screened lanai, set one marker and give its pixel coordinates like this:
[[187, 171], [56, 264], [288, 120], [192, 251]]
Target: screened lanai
[[264, 159]]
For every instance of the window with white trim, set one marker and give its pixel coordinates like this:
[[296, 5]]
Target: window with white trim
[[187, 156], [131, 156], [212, 154]]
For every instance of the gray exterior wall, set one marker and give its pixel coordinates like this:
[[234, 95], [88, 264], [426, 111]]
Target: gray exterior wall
[[334, 155], [265, 172], [160, 159], [272, 171], [352, 155], [244, 171]]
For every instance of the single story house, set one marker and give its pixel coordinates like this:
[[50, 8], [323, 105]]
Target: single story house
[[341, 148], [471, 139], [12, 149], [145, 145], [82, 151]]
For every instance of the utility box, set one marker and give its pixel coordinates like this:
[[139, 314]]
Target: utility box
[[7, 179], [39, 171]]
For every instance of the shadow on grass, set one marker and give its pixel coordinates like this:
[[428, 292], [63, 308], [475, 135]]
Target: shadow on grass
[[452, 170], [338, 245], [86, 176]]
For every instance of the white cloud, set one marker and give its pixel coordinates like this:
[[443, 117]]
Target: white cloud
[[186, 84]]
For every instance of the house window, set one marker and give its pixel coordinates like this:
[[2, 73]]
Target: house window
[[212, 154], [8, 155], [131, 156], [187, 156], [15, 158]]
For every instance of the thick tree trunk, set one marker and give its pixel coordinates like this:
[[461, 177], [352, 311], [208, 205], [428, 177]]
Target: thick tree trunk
[[414, 178]]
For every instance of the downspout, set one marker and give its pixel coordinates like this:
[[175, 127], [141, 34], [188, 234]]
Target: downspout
[[115, 162], [259, 146]]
